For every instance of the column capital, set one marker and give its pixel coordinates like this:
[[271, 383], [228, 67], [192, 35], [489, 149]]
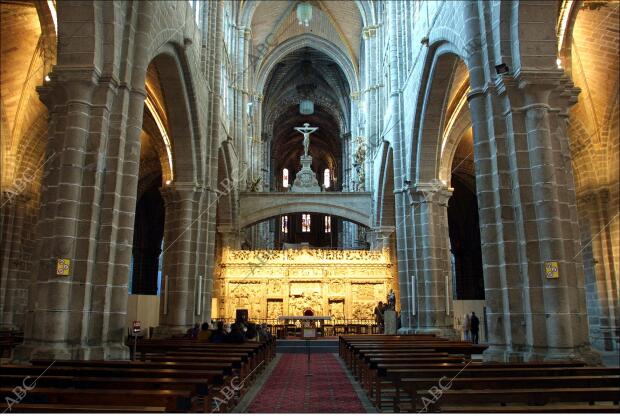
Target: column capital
[[179, 191], [78, 85], [551, 88], [435, 192], [231, 236], [370, 31]]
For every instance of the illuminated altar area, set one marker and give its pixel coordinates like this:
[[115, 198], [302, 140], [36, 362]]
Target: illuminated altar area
[[344, 284]]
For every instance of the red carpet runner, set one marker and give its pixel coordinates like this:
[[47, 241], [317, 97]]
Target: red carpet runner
[[289, 390]]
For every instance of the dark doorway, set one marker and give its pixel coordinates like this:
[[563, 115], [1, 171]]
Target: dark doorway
[[147, 241], [464, 231]]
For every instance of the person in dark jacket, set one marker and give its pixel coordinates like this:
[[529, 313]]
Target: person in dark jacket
[[236, 335], [192, 333], [219, 335], [252, 333], [474, 327]]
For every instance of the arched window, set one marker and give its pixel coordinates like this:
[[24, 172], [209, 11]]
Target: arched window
[[284, 224], [305, 223], [197, 6], [285, 178], [326, 179], [224, 89], [328, 224]]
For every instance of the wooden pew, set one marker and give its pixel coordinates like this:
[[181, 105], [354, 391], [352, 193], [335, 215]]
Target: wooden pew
[[171, 400], [536, 397], [418, 381], [482, 387], [256, 352], [175, 374], [85, 408], [548, 408], [200, 383]]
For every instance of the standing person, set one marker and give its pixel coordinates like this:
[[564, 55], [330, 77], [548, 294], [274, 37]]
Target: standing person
[[475, 327], [391, 300], [466, 327], [379, 317]]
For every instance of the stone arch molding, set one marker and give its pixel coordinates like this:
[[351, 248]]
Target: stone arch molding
[[451, 140], [257, 207], [424, 166], [177, 88], [384, 187]]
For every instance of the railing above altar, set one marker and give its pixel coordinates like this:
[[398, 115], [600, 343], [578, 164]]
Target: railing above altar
[[305, 255]]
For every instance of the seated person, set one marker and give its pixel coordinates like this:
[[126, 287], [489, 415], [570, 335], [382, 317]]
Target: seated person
[[205, 332], [192, 333], [252, 333], [219, 335], [236, 335]]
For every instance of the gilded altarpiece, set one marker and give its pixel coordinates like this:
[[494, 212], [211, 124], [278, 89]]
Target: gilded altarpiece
[[345, 284]]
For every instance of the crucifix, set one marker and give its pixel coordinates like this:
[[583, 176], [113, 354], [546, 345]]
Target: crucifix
[[306, 130]]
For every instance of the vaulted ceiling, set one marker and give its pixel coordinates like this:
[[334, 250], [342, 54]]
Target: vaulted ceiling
[[306, 73], [27, 55], [340, 22]]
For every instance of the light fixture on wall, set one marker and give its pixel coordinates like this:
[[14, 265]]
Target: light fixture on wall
[[47, 78], [304, 13], [559, 63], [306, 107]]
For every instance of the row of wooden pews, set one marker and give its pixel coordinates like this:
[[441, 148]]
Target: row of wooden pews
[[171, 376], [429, 373]]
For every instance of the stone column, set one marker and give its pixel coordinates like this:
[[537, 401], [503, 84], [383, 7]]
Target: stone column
[[177, 308], [498, 231], [555, 315], [64, 312], [345, 179], [432, 259], [528, 219], [371, 94]]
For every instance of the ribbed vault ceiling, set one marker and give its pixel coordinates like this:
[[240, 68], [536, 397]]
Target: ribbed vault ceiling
[[340, 22]]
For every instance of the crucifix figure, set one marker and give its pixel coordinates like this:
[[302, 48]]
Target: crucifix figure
[[306, 130]]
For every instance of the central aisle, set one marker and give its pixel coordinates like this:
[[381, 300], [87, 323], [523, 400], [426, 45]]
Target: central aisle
[[289, 390]]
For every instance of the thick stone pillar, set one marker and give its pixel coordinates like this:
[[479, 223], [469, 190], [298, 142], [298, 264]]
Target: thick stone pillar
[[67, 316], [432, 290], [556, 315], [528, 219], [177, 311]]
